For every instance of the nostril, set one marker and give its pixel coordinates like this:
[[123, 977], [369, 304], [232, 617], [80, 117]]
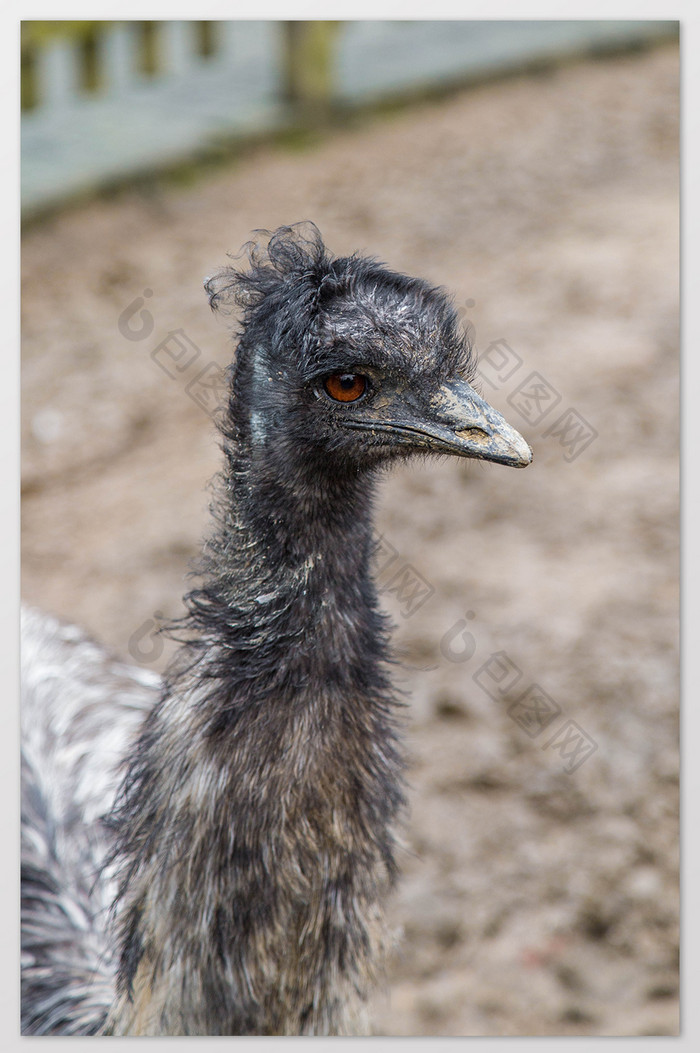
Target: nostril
[[473, 433]]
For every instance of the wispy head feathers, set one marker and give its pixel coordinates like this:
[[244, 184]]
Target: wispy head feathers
[[288, 254], [291, 291]]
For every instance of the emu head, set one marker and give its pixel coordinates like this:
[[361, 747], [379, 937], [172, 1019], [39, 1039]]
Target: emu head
[[343, 365]]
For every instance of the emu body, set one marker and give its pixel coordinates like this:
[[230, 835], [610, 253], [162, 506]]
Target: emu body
[[248, 852]]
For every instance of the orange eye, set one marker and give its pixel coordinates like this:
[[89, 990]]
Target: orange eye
[[345, 387]]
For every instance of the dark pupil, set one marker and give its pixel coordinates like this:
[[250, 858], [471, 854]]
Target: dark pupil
[[345, 387]]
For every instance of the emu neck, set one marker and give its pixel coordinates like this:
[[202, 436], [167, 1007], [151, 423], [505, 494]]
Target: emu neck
[[257, 822]]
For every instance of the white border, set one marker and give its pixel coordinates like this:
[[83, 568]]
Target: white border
[[9, 417]]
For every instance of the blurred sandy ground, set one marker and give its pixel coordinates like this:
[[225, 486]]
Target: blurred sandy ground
[[533, 901]]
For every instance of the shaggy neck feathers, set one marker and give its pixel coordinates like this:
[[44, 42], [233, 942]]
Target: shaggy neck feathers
[[255, 830]]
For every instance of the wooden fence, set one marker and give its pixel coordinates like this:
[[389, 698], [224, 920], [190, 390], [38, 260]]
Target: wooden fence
[[103, 101]]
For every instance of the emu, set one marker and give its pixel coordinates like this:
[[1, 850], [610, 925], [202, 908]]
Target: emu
[[231, 880]]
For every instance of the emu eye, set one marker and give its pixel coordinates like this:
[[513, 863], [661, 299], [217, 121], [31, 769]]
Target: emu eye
[[346, 387]]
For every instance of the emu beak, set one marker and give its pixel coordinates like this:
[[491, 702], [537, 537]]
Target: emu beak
[[462, 423], [456, 420]]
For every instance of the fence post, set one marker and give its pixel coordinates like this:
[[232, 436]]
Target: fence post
[[119, 58], [179, 45], [58, 74], [309, 68]]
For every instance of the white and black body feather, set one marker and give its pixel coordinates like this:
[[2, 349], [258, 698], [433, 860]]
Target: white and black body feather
[[81, 713]]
